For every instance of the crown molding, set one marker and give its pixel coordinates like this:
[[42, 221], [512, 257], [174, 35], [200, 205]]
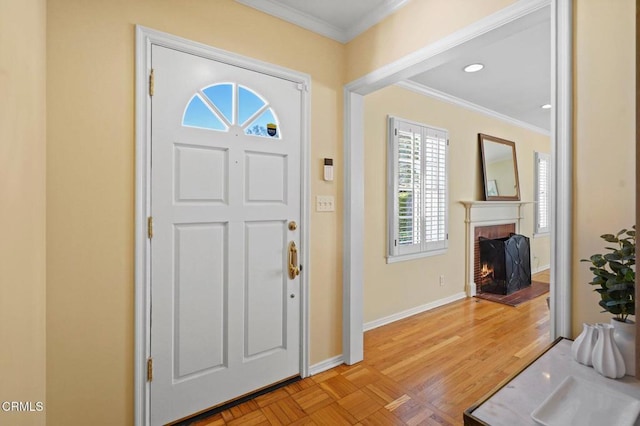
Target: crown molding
[[322, 27], [378, 14], [441, 96], [296, 17], [423, 59]]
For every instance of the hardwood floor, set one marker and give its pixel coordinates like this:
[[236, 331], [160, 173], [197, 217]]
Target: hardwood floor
[[423, 370], [542, 276]]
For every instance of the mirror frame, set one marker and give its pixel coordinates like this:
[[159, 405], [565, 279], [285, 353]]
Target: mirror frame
[[481, 140]]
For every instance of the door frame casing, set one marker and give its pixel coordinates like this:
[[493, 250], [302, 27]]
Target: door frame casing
[[561, 174], [145, 38]]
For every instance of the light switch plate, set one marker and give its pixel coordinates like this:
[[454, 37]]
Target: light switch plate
[[325, 203]]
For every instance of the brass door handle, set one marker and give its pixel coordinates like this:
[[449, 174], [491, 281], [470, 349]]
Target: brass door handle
[[294, 270]]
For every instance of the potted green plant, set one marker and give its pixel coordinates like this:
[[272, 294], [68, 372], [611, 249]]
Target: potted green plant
[[614, 277]]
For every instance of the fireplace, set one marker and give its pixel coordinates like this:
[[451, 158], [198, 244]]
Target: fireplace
[[491, 232], [491, 219], [505, 264]]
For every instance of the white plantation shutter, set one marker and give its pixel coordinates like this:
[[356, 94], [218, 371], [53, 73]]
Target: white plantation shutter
[[435, 188], [542, 193], [409, 193], [418, 188]]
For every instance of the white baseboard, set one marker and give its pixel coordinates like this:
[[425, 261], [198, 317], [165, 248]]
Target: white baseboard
[[472, 289], [409, 312], [540, 269], [325, 365]]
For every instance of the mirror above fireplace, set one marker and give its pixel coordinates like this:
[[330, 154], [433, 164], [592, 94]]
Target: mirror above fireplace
[[499, 169]]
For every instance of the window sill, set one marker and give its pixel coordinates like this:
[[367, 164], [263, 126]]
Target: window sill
[[404, 257], [541, 234]]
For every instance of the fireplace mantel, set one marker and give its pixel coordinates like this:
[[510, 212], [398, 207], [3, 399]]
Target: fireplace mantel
[[491, 211], [486, 213]]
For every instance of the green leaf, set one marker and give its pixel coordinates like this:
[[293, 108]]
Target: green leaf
[[603, 273], [614, 309], [627, 250], [598, 260], [612, 256], [613, 303], [614, 273], [616, 287], [615, 266]]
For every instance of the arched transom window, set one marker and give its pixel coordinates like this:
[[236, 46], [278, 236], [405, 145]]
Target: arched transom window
[[223, 106]]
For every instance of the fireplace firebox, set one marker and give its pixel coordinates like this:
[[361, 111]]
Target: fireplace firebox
[[505, 264]]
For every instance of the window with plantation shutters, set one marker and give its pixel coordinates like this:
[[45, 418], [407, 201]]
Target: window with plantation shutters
[[417, 176], [542, 193]]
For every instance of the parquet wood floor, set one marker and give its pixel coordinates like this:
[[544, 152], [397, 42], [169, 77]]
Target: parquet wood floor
[[423, 370]]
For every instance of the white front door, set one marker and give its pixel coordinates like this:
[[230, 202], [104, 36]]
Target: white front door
[[225, 187]]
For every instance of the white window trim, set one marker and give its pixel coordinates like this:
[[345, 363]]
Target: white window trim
[[537, 230], [412, 256], [393, 253]]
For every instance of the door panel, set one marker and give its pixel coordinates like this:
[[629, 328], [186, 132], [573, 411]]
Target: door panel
[[199, 309], [201, 174], [266, 287], [266, 177], [225, 317]]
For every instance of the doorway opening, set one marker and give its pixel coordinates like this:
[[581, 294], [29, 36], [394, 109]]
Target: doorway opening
[[560, 134]]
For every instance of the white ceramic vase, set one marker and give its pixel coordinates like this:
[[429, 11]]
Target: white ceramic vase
[[606, 357], [582, 347], [624, 333]]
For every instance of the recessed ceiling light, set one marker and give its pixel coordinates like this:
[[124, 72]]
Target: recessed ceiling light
[[546, 106], [473, 67]]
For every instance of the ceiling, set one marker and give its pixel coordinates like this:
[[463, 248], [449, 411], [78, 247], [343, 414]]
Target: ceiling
[[341, 20], [515, 81]]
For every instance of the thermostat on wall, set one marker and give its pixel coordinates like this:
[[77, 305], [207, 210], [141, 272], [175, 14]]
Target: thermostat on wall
[[328, 169]]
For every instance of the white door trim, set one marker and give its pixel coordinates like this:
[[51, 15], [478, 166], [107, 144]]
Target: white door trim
[[145, 37], [561, 166], [354, 92]]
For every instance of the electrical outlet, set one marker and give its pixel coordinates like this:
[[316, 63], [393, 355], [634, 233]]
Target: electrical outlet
[[441, 280], [325, 203]]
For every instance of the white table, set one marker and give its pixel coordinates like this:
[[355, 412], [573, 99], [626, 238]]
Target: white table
[[513, 401]]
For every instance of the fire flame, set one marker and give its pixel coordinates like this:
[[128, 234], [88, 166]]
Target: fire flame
[[486, 271]]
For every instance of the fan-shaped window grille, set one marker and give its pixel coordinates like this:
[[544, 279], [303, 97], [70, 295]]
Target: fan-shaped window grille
[[222, 106]]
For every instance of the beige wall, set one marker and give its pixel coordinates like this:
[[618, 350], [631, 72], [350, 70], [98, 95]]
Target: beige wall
[[396, 287], [604, 140], [90, 167], [416, 25], [23, 191], [90, 321]]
